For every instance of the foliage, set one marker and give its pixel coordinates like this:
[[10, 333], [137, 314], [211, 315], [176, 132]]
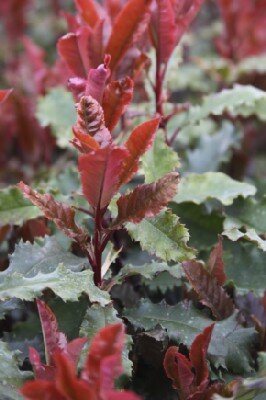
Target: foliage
[[132, 199]]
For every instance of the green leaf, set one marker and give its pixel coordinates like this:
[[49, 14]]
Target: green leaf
[[230, 344], [157, 276], [212, 149], [235, 230], [245, 266], [159, 160], [199, 188], [35, 267], [64, 283], [149, 271], [240, 100], [14, 209], [203, 227], [42, 256], [11, 378], [183, 321], [96, 318], [246, 219], [57, 108], [163, 236]]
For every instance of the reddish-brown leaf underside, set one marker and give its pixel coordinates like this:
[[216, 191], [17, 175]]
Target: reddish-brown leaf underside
[[128, 26], [178, 369], [61, 214], [99, 172], [209, 291], [53, 339], [146, 200], [117, 96], [198, 354], [137, 144], [215, 262]]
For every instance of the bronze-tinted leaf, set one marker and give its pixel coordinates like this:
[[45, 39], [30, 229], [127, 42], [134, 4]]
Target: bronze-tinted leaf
[[209, 291], [61, 214], [146, 200]]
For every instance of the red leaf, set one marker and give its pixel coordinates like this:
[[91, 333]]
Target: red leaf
[[138, 143], [178, 369], [4, 94], [74, 348], [198, 354], [165, 29], [96, 82], [97, 42], [146, 200], [209, 291], [53, 339], [130, 23], [84, 142], [88, 11], [40, 390], [68, 49], [62, 214], [186, 11], [113, 7], [104, 362], [74, 49], [117, 96], [216, 264], [99, 172], [41, 371], [66, 381]]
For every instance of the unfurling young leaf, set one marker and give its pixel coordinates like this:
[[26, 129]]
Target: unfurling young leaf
[[146, 200], [210, 292]]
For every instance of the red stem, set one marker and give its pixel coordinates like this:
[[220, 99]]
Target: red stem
[[97, 262]]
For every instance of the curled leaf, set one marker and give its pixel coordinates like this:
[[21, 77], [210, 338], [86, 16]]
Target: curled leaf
[[209, 291]]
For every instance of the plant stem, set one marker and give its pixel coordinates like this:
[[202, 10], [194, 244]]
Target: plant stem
[[97, 262]]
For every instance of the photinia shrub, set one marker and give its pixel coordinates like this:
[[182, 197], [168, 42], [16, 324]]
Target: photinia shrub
[[132, 200]]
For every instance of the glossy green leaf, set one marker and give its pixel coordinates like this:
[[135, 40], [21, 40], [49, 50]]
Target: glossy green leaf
[[57, 109], [163, 236], [159, 160], [14, 208], [199, 188]]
